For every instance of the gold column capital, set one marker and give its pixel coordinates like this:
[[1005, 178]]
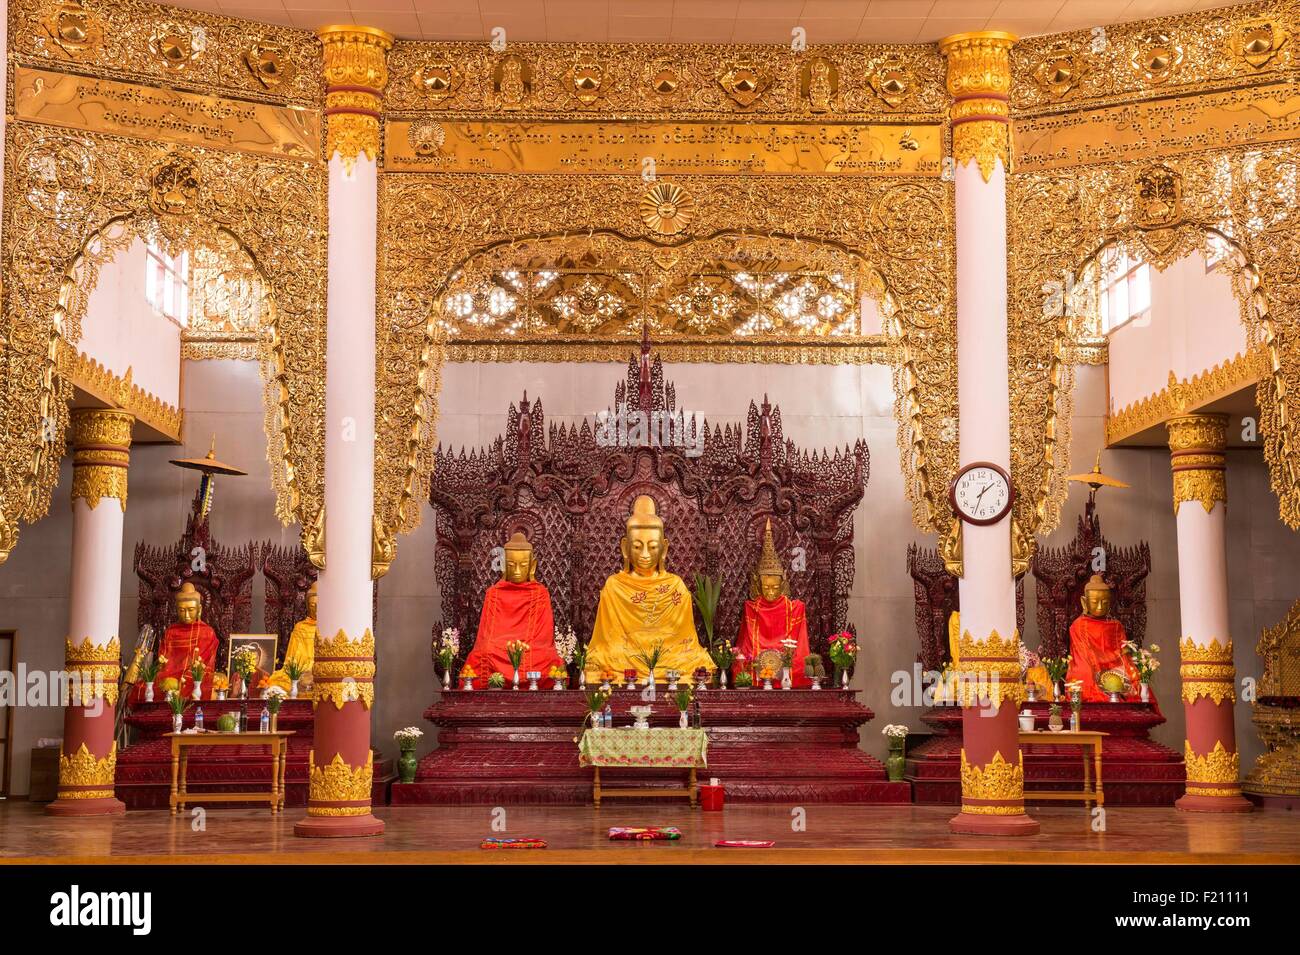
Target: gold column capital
[[356, 72], [979, 82], [101, 445], [1196, 457]]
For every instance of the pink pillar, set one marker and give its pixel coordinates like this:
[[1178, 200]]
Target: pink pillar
[[342, 772], [101, 442], [979, 80]]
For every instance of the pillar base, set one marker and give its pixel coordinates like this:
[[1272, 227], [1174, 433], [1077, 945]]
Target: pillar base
[[86, 807], [338, 827], [1190, 803], [978, 824]]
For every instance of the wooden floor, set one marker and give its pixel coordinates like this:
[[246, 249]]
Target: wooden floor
[[834, 833]]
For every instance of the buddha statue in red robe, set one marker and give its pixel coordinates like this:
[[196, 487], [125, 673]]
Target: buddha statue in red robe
[[185, 641], [516, 607], [771, 617], [1097, 647]]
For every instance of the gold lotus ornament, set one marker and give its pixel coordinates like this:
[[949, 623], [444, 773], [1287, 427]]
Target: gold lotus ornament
[[437, 81], [178, 44], [1060, 70], [744, 81], [268, 63], [665, 80], [1155, 56], [1258, 41], [73, 29], [667, 209], [891, 82]]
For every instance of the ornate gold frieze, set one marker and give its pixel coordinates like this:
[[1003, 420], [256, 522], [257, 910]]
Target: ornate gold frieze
[[979, 81], [988, 670], [96, 668], [865, 350], [81, 769], [1207, 670], [118, 390], [344, 670], [339, 782], [998, 780], [1189, 394], [355, 77], [1277, 770], [1215, 767], [1196, 444], [1279, 649], [101, 441]]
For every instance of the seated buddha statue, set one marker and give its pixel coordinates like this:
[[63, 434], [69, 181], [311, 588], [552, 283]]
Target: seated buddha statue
[[771, 617], [516, 607], [1097, 646], [644, 607], [301, 649], [185, 641]]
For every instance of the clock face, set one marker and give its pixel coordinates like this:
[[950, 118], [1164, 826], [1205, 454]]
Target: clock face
[[982, 493]]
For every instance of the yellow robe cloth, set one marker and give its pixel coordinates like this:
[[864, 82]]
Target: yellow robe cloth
[[634, 614], [301, 650]]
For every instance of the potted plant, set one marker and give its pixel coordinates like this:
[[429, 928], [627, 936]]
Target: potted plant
[[708, 591], [682, 697], [196, 674], [1054, 722], [896, 734], [448, 647], [844, 653], [407, 739], [596, 700], [293, 670], [497, 681], [744, 680], [515, 650], [815, 669], [1146, 664], [651, 660], [177, 704], [275, 695], [723, 655], [149, 673]]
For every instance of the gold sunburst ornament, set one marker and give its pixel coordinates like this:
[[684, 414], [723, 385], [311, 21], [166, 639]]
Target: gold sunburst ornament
[[667, 209]]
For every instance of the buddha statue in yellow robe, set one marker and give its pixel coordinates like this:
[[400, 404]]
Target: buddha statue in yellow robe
[[644, 608], [301, 649]]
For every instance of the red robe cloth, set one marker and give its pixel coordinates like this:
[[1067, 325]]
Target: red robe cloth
[[1097, 646], [515, 612], [764, 625], [181, 644]]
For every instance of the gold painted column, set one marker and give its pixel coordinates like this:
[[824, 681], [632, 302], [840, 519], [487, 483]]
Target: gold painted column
[[1196, 449], [341, 762], [992, 772], [101, 443]]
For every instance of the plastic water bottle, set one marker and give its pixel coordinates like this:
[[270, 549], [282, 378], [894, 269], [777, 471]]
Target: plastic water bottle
[[198, 718], [609, 717], [264, 725]]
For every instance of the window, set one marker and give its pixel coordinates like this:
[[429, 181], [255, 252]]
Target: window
[[166, 284], [1218, 253], [1125, 290]]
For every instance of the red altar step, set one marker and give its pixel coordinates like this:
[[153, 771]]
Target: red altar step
[[506, 746], [1136, 770], [144, 767]]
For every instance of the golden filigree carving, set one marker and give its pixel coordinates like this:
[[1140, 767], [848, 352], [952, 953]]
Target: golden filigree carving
[[998, 781], [356, 73], [667, 208], [1279, 648], [101, 441], [979, 80], [73, 30], [1216, 773], [950, 548], [1207, 670], [93, 670], [383, 549], [1277, 770], [744, 80], [1196, 445], [339, 782], [82, 770], [988, 670], [118, 390], [269, 63], [344, 670]]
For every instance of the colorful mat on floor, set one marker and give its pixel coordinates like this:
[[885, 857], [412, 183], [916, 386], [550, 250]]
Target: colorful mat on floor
[[648, 833], [744, 844], [513, 844]]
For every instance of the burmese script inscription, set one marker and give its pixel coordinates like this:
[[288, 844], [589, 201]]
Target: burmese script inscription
[[843, 149], [1163, 127], [147, 112]]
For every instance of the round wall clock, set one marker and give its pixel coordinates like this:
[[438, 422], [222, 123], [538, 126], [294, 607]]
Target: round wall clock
[[981, 493]]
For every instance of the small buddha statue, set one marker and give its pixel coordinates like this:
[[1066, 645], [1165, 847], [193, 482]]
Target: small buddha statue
[[819, 86], [644, 607], [185, 641], [770, 616], [301, 649], [516, 607], [1097, 645]]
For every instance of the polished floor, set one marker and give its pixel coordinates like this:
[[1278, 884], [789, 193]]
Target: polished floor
[[820, 833]]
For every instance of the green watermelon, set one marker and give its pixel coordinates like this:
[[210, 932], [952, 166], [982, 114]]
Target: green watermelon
[[226, 723]]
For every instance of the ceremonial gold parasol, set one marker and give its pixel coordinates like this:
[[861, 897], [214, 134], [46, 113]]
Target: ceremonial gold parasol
[[210, 467], [1095, 479]]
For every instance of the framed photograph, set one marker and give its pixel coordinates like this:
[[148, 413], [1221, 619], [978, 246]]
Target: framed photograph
[[264, 644]]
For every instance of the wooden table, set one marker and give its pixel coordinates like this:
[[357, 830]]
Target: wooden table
[[182, 742], [1086, 740], [644, 749]]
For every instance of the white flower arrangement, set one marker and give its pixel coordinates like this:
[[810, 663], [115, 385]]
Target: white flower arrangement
[[408, 734], [274, 691], [566, 642], [450, 640], [894, 729]]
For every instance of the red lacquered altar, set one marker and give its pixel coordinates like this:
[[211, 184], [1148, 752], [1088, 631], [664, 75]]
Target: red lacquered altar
[[507, 746], [144, 771]]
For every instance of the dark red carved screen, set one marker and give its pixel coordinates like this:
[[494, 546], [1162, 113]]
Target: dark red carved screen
[[288, 574], [571, 494], [937, 597]]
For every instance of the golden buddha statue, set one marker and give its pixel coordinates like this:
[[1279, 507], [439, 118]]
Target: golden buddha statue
[[771, 617], [516, 607], [644, 607], [186, 641], [1097, 646], [301, 649]]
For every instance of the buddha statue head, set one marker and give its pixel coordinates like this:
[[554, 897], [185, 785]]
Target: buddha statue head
[[644, 546], [1096, 598], [311, 600], [768, 579], [520, 564], [189, 604]]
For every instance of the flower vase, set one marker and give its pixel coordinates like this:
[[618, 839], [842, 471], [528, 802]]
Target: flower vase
[[446, 679], [896, 760], [515, 684], [407, 764], [275, 722], [1146, 692], [196, 694], [683, 720], [293, 689], [722, 678], [787, 682], [650, 685], [1058, 692], [148, 692], [582, 679], [177, 722], [844, 679], [469, 683]]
